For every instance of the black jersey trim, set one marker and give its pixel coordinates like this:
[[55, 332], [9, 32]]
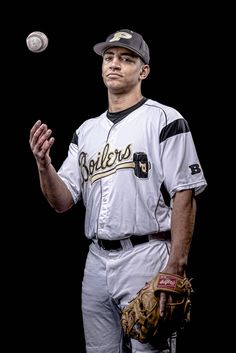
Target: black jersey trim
[[115, 117], [165, 195], [178, 126], [74, 139]]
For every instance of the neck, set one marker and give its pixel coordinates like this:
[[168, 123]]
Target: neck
[[122, 101]]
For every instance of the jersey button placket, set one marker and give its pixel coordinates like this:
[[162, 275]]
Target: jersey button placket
[[103, 217]]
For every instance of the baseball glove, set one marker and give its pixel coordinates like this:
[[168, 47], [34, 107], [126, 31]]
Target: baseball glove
[[141, 318]]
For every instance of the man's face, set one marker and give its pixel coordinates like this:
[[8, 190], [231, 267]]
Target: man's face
[[121, 69]]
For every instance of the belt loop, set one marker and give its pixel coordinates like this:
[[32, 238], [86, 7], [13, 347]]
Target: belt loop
[[126, 244]]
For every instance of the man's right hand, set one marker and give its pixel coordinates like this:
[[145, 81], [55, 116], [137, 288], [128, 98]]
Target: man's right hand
[[41, 143]]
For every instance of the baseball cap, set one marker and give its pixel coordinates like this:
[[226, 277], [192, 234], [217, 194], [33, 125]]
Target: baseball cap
[[127, 39]]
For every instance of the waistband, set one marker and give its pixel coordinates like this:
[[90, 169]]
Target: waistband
[[134, 239]]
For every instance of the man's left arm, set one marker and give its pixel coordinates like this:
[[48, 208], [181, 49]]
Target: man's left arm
[[182, 227]]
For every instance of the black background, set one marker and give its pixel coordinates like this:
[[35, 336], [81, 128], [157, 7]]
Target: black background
[[62, 86]]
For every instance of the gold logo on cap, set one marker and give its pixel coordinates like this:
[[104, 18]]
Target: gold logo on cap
[[119, 35]]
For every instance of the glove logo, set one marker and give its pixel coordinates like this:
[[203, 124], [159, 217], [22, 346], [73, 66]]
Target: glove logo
[[167, 282]]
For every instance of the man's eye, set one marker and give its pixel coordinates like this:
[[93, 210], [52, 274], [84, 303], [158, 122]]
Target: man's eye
[[128, 59]]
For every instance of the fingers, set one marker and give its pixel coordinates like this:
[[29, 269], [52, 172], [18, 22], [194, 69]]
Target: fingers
[[164, 299], [39, 134], [33, 130], [40, 140], [162, 303]]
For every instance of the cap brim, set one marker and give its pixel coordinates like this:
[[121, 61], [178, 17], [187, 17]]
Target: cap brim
[[100, 48]]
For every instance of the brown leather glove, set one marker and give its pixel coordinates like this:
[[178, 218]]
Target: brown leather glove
[[141, 318]]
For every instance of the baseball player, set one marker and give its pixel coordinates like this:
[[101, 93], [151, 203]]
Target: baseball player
[[136, 169]]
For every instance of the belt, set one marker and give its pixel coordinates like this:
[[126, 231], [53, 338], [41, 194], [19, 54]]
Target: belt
[[134, 239]]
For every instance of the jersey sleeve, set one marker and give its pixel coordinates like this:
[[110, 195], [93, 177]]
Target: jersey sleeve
[[69, 170], [181, 166]]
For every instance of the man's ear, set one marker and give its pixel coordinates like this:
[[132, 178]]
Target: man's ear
[[144, 72]]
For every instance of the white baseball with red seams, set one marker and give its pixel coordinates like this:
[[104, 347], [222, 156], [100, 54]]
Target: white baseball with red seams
[[37, 41]]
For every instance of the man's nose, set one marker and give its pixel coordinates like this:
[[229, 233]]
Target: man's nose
[[115, 62]]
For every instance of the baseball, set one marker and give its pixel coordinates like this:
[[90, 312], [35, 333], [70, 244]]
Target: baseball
[[37, 41]]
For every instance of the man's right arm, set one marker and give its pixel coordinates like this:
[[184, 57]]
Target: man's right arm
[[55, 190], [52, 186]]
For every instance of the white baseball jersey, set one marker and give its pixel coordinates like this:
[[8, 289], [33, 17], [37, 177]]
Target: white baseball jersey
[[122, 171]]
